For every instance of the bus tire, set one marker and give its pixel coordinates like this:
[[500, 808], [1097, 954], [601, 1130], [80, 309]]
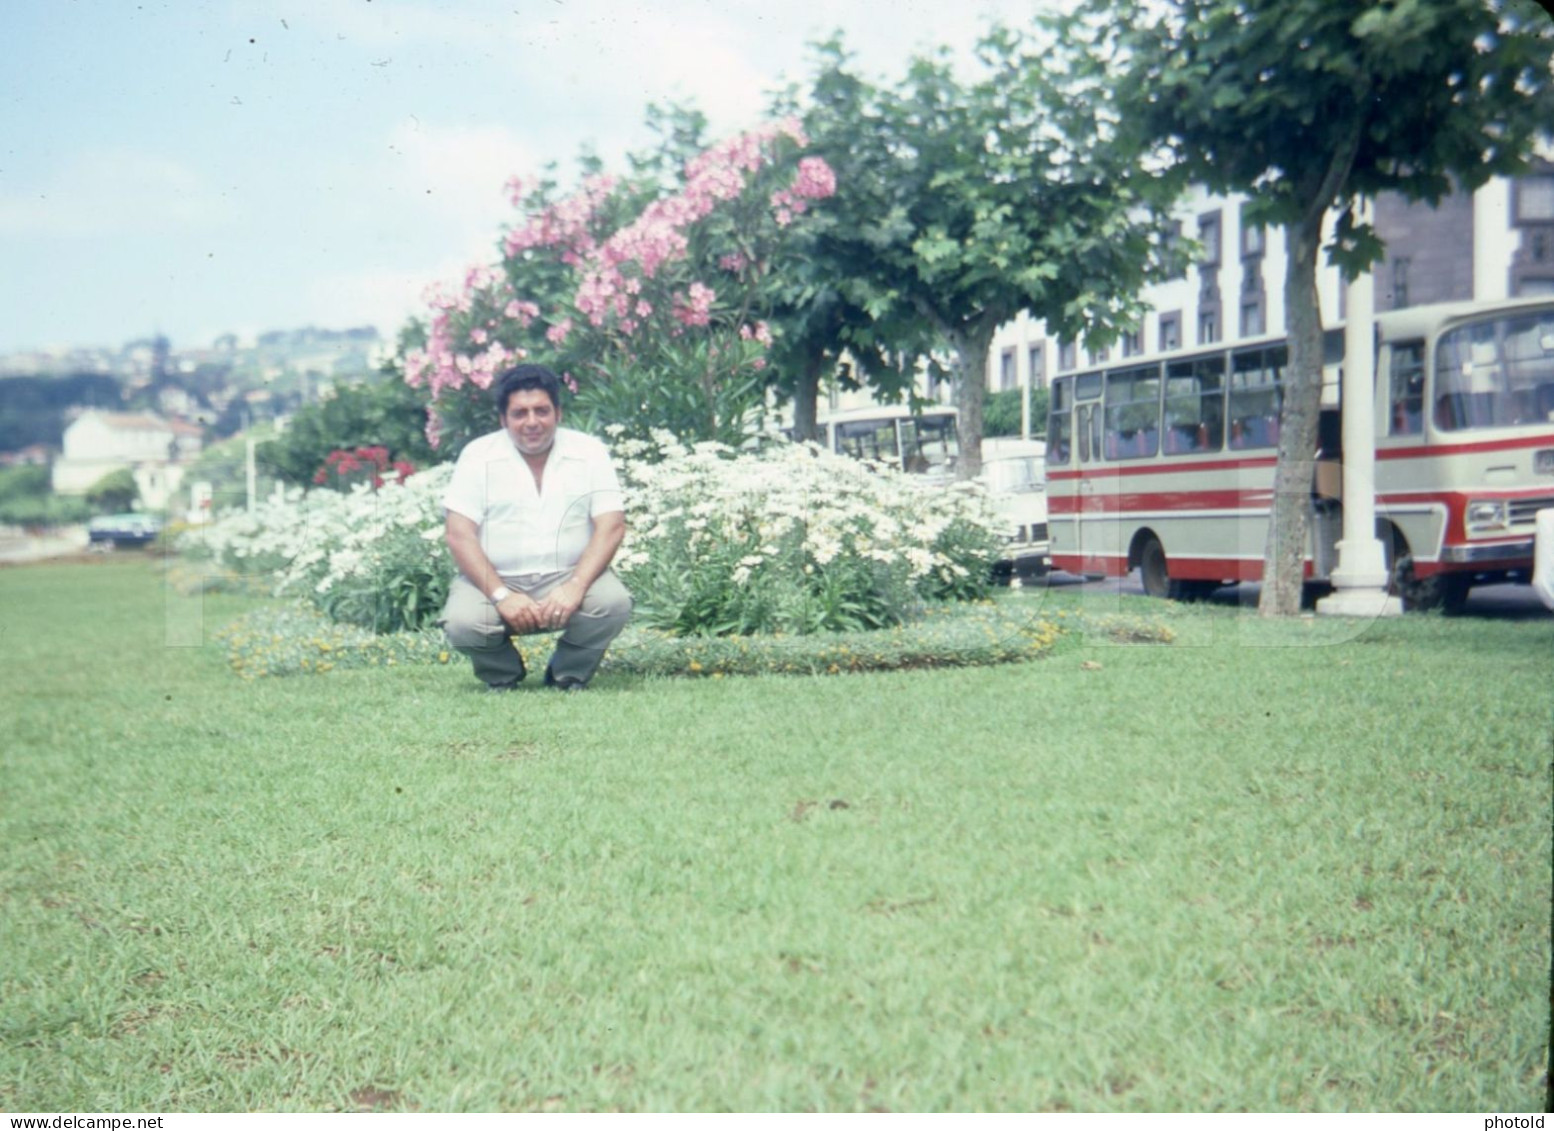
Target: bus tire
[[1444, 591], [1153, 570]]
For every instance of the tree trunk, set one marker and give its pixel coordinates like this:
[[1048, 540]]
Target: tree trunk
[[1285, 556], [806, 392], [970, 386]]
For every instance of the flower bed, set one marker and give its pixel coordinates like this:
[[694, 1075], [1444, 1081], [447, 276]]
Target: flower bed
[[295, 639], [793, 539]]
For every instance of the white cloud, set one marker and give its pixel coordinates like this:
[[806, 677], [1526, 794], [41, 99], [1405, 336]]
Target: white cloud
[[386, 298], [457, 173], [106, 192]]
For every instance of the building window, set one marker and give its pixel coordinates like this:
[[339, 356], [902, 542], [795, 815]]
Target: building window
[[1252, 240], [1007, 377], [1400, 267], [1252, 323], [1132, 343], [1038, 360], [1100, 356], [1530, 285], [1174, 253], [1539, 245], [1208, 236], [1208, 325], [1533, 197], [1171, 330], [1068, 355]]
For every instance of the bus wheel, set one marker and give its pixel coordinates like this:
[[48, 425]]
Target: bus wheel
[[1444, 591], [1152, 569]]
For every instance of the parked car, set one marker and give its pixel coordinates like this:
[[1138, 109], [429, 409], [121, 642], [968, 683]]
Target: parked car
[[1015, 472], [131, 529]]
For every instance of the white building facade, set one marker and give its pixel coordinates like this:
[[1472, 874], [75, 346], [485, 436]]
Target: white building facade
[[1495, 243], [154, 449]]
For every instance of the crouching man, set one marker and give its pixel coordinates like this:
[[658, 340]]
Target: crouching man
[[534, 517]]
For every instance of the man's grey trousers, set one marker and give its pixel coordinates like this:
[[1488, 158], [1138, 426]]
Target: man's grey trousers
[[476, 629]]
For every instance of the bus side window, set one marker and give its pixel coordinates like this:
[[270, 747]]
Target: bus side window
[[1059, 422], [1545, 403], [1407, 385], [1256, 396]]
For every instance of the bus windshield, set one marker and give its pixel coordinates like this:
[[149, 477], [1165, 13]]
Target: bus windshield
[[1014, 475], [1498, 373], [929, 444], [924, 444]]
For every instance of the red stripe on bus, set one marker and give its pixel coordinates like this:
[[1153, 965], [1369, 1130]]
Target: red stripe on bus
[[1154, 501], [1176, 466], [1421, 451]]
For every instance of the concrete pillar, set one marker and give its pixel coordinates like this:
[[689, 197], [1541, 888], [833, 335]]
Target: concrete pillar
[[1360, 579]]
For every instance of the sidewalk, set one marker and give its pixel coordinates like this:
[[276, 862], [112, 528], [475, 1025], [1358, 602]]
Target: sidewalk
[[20, 547]]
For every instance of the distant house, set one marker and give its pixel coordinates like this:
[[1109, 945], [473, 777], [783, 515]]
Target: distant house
[[33, 455], [154, 449]]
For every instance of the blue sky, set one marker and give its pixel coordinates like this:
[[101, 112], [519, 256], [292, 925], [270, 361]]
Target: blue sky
[[193, 167]]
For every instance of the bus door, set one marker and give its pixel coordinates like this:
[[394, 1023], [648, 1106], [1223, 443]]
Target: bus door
[[1089, 528]]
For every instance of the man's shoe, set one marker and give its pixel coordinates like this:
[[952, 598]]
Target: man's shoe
[[511, 684], [565, 683]]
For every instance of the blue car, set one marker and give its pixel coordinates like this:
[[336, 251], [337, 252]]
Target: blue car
[[134, 529]]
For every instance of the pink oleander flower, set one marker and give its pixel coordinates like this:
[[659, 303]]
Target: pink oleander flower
[[694, 308], [557, 334], [816, 180], [760, 332], [522, 312]]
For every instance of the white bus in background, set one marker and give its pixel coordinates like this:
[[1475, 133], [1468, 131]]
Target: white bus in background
[[922, 442], [925, 443], [1166, 463]]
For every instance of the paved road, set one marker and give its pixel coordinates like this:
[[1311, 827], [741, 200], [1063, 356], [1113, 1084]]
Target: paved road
[[1501, 602]]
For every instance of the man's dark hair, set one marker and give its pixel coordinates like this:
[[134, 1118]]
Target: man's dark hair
[[523, 377]]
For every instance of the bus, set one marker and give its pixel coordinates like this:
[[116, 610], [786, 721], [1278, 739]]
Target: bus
[[925, 442], [922, 441], [1165, 464]]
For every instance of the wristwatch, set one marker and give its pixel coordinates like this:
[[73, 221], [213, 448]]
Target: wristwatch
[[500, 594]]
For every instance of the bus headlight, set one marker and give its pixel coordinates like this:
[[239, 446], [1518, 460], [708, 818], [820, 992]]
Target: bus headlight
[[1485, 515]]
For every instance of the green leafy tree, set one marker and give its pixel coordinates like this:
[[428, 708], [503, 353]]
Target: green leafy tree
[[115, 491], [384, 413], [978, 199], [1002, 416], [835, 316], [1310, 106], [27, 499]]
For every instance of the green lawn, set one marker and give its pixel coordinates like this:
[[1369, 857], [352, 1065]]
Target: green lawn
[[1293, 866]]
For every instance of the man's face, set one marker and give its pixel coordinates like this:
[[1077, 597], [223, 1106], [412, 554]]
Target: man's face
[[531, 421]]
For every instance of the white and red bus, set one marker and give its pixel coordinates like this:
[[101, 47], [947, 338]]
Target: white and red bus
[[1165, 463]]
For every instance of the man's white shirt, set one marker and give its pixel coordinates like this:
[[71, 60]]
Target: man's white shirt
[[524, 529]]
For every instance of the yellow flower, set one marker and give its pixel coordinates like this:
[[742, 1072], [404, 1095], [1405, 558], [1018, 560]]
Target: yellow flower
[[695, 666]]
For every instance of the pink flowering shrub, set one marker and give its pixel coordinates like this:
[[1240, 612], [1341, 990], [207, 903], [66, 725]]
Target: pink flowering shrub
[[650, 302]]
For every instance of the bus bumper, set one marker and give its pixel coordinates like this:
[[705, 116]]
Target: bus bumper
[[1543, 558], [1519, 550]]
